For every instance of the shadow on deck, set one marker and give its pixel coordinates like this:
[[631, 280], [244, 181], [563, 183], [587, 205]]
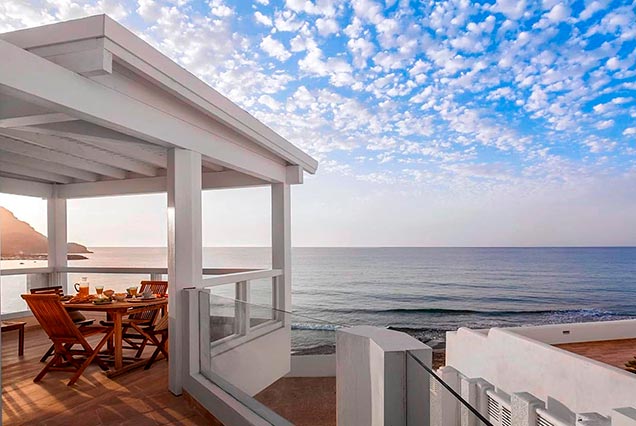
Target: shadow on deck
[[137, 398]]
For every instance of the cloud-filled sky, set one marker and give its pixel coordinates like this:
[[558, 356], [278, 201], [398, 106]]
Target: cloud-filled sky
[[443, 123]]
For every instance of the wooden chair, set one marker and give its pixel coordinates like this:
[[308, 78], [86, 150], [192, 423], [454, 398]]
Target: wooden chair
[[157, 287], [158, 336], [78, 318], [145, 318], [64, 334]]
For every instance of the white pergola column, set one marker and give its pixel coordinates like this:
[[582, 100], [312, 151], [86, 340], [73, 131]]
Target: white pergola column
[[281, 242], [57, 236], [184, 254]]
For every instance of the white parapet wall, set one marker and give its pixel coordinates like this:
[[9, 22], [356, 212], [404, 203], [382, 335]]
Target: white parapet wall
[[313, 366], [555, 334], [513, 361], [377, 381]]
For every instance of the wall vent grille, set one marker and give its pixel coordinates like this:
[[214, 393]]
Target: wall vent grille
[[493, 409], [506, 417], [542, 421]]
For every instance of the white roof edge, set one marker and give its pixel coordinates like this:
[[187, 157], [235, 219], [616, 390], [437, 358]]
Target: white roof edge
[[216, 105]]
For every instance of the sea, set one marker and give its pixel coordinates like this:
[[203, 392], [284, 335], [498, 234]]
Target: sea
[[422, 291]]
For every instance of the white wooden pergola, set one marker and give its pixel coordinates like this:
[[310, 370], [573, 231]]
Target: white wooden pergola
[[89, 109]]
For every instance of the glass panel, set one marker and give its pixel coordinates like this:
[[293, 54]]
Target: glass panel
[[222, 317], [234, 348], [261, 302], [12, 287], [447, 401]]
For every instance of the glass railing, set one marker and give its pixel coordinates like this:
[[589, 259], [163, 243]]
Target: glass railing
[[452, 402], [245, 350]]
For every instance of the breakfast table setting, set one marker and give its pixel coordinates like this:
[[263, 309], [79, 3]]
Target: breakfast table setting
[[116, 306]]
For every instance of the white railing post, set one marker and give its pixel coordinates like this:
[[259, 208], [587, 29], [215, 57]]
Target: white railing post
[[373, 377], [468, 391], [482, 396], [281, 242], [444, 406], [57, 240], [523, 409], [242, 308], [185, 251], [200, 321]]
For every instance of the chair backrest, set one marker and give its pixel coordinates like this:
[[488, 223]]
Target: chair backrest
[[162, 324], [157, 287], [150, 315], [57, 289], [52, 316]]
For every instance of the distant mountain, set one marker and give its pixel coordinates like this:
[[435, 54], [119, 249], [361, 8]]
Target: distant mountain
[[20, 241]]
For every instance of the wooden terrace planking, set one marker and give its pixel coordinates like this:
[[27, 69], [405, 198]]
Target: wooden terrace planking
[[137, 398]]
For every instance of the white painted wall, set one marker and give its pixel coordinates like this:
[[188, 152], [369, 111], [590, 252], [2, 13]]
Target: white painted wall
[[256, 364], [313, 366], [582, 332], [516, 363]]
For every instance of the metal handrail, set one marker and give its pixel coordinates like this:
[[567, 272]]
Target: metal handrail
[[452, 391]]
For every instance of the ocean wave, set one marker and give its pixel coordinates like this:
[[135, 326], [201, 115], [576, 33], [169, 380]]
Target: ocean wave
[[315, 327], [495, 313]]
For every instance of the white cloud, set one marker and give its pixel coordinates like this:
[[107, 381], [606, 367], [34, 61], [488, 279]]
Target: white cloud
[[327, 26], [149, 10], [591, 8], [629, 131], [219, 8], [605, 124], [275, 48], [262, 19], [269, 102], [513, 9], [558, 13]]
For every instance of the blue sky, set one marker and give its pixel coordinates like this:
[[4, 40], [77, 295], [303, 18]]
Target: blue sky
[[442, 123]]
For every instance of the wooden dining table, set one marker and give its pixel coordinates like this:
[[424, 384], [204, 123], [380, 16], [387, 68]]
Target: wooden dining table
[[115, 312]]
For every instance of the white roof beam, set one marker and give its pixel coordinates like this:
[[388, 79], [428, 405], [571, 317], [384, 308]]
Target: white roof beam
[[106, 139], [79, 149], [47, 166], [25, 187], [212, 166], [218, 180], [34, 151], [32, 173], [49, 85], [34, 120]]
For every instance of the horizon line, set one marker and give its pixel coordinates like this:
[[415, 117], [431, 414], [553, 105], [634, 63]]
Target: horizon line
[[396, 246]]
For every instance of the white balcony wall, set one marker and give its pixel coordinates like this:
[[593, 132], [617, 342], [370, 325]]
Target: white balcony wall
[[516, 363]]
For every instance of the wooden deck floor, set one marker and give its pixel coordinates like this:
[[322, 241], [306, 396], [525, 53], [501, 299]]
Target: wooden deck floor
[[137, 398], [612, 352], [304, 401]]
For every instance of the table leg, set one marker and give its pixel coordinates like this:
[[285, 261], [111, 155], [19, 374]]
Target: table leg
[[118, 341], [21, 341], [109, 344]]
